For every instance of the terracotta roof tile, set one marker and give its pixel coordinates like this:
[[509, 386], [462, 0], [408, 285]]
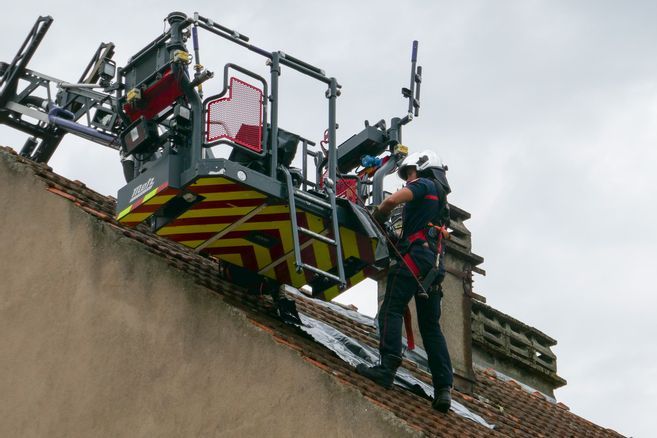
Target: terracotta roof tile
[[513, 411]]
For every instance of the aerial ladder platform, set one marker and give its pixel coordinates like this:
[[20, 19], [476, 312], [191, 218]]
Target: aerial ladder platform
[[254, 210]]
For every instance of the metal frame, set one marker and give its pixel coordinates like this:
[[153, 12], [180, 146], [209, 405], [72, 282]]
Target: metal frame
[[276, 60], [78, 100]]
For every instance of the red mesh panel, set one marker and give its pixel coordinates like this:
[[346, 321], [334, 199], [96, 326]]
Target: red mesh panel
[[237, 117], [346, 187]]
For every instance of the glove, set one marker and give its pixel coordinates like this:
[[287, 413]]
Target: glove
[[391, 233], [379, 216]]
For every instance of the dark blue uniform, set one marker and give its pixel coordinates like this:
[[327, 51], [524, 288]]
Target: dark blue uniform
[[401, 287]]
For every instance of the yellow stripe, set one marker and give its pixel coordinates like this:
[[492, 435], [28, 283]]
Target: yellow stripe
[[124, 212], [189, 229], [235, 259], [191, 243], [212, 181], [358, 277], [215, 228], [262, 255], [137, 217], [232, 211], [157, 200], [331, 293], [297, 279], [150, 194], [270, 274], [216, 212], [321, 250], [227, 196], [349, 243]]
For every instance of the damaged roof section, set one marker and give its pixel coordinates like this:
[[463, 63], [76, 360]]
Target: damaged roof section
[[497, 401]]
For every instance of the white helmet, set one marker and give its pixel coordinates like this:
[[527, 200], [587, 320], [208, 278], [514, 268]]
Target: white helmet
[[421, 161]]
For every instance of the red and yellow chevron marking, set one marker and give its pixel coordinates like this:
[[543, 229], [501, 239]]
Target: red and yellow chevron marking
[[363, 249], [145, 206], [263, 243]]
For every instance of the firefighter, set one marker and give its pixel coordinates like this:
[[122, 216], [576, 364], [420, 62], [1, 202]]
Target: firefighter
[[424, 199]]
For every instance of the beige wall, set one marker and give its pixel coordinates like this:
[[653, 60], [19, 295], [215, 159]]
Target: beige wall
[[98, 337]]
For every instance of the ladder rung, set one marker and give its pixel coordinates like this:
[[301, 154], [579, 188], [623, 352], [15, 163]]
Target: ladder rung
[[320, 272], [311, 199], [317, 236]]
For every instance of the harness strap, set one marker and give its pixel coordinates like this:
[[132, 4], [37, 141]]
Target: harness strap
[[422, 234], [411, 264], [408, 326]]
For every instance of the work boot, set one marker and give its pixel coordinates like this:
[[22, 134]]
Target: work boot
[[442, 399], [383, 374]]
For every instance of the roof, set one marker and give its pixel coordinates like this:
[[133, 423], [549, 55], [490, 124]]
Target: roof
[[510, 407]]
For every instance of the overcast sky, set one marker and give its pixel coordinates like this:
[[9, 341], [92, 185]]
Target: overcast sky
[[545, 112]]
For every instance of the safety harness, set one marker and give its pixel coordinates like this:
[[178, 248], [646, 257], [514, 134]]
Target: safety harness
[[432, 235]]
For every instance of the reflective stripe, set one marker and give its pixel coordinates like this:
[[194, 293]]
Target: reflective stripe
[[408, 326], [431, 197]]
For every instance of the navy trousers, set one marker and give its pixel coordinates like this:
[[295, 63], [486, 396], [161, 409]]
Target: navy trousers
[[400, 288]]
